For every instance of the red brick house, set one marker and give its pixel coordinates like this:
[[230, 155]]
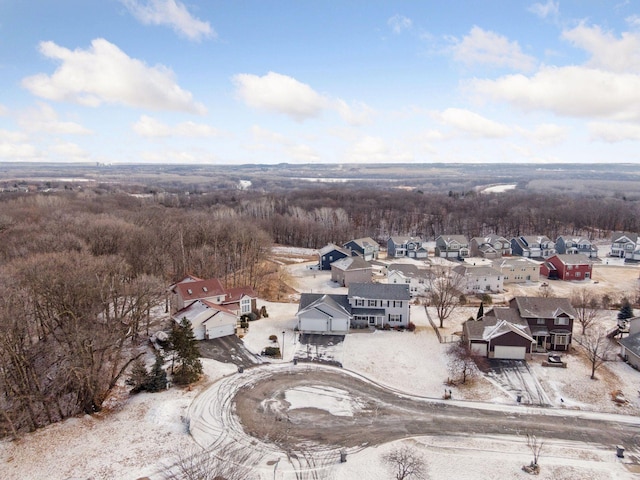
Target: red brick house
[[567, 267]]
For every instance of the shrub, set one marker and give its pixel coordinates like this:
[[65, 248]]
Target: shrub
[[462, 299], [273, 338], [263, 312], [271, 352], [486, 299], [411, 327]]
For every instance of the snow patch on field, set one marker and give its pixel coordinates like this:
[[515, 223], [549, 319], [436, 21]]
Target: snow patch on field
[[333, 400]]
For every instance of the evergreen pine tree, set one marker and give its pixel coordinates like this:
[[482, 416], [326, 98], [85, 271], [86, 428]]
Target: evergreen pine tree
[[480, 311], [157, 377], [185, 347], [139, 376], [626, 311]]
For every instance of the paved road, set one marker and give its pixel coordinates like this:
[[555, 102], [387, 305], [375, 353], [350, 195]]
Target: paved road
[[229, 349], [516, 377], [249, 411]]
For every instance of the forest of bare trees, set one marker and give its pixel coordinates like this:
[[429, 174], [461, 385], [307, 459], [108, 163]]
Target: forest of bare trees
[[82, 271]]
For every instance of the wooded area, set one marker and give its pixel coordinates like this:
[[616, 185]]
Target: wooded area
[[81, 271]]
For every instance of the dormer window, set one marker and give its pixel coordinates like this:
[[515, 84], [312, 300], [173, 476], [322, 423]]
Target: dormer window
[[204, 289], [189, 291]]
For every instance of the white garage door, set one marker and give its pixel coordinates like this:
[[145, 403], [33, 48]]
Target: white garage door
[[221, 331], [313, 324], [479, 349], [514, 353], [340, 325]]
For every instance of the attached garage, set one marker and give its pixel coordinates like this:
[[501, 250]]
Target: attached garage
[[307, 323], [479, 349], [323, 314], [508, 352], [218, 331]]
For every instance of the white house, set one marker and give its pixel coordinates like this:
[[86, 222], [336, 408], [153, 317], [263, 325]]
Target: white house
[[208, 319], [408, 274], [479, 279]]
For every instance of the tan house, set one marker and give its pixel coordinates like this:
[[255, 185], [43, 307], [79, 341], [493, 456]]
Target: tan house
[[350, 270], [517, 269]]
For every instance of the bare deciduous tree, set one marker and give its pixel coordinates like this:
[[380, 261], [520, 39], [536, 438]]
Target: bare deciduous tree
[[444, 292], [535, 446], [586, 306], [227, 463], [597, 348], [405, 463], [462, 363]]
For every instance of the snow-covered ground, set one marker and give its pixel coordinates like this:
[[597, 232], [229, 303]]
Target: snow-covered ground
[[137, 435]]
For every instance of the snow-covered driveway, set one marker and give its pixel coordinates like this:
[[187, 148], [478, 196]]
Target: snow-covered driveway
[[515, 377]]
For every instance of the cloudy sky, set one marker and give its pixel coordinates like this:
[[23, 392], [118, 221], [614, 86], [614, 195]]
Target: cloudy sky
[[332, 81]]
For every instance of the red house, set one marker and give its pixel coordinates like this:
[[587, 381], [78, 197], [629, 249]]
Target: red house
[[567, 267]]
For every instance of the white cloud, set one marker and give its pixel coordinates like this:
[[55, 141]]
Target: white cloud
[[9, 136], [573, 91], [358, 114], [633, 21], [280, 93], [70, 152], [17, 151], [371, 149], [607, 51], [548, 134], [471, 123], [399, 23], [483, 47], [104, 73], [45, 119], [268, 140], [612, 132], [544, 10], [150, 127], [171, 13]]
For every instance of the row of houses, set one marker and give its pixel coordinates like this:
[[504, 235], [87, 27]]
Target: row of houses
[[623, 245]]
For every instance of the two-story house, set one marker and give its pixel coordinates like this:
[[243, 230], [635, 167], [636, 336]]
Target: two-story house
[[350, 270], [366, 247], [409, 274], [366, 305], [478, 279], [573, 245], [533, 246], [329, 254], [528, 324], [517, 269], [402, 246], [625, 245], [452, 246], [212, 309], [491, 246], [550, 320], [567, 267]]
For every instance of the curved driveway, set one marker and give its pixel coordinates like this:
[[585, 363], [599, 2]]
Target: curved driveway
[[250, 410]]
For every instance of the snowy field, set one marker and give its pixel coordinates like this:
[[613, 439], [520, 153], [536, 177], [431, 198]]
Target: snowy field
[[136, 436]]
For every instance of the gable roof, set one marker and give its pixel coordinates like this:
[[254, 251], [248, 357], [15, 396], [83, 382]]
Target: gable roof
[[543, 307], [380, 291], [351, 263], [572, 259], [447, 239], [331, 247], [476, 271], [514, 262], [401, 240], [314, 300], [496, 322], [198, 307], [195, 289], [235, 294], [365, 242], [631, 343], [619, 236]]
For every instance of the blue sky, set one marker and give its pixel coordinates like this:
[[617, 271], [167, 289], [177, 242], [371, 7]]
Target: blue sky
[[333, 81]]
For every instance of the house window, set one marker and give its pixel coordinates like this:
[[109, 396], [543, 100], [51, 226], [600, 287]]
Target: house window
[[395, 318], [561, 321], [561, 339], [372, 303], [359, 302], [397, 303], [540, 321], [578, 274]]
